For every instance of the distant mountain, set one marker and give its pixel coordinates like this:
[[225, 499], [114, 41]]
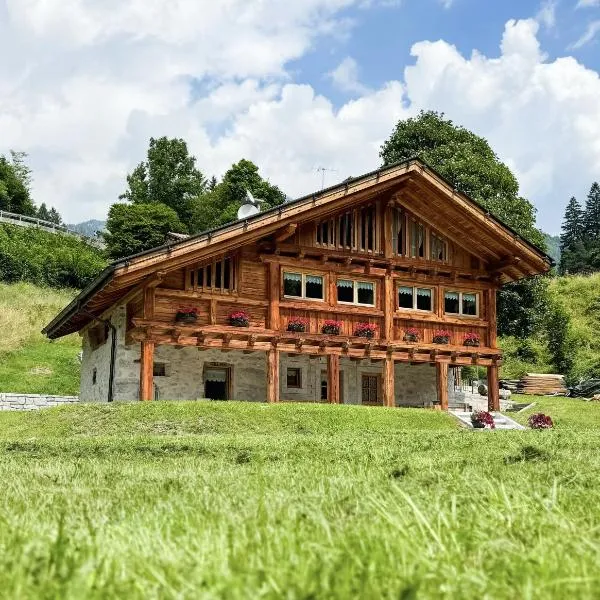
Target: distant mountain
[[553, 243], [88, 228]]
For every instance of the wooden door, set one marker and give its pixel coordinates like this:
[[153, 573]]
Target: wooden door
[[371, 389]]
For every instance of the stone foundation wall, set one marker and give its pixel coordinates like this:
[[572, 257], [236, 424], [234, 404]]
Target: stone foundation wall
[[33, 401]]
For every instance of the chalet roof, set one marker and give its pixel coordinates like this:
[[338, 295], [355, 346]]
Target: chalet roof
[[518, 257]]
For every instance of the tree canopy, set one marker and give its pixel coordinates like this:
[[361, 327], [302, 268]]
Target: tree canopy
[[168, 176]]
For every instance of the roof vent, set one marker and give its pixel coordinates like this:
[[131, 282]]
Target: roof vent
[[251, 206]]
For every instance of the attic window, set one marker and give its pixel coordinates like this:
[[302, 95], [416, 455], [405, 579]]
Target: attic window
[[218, 276], [352, 230]]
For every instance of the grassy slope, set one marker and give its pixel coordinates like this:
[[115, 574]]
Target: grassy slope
[[28, 361], [233, 500]]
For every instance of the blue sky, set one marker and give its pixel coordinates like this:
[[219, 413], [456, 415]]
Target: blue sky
[[294, 86]]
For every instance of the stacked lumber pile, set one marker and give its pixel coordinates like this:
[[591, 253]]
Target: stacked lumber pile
[[510, 384], [542, 384]]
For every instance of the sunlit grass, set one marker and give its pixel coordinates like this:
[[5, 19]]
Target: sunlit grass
[[234, 500]]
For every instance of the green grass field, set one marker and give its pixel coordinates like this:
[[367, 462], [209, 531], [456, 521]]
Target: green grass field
[[234, 500]]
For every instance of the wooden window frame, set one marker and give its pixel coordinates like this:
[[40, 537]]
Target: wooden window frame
[[460, 303], [414, 308], [304, 275], [191, 276], [348, 226], [355, 302]]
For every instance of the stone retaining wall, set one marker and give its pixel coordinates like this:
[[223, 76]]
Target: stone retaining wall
[[33, 401]]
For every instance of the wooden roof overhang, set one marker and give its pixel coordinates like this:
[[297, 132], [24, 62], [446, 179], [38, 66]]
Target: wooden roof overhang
[[254, 339], [410, 182]]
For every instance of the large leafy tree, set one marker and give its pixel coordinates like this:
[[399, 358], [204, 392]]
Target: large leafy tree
[[168, 176], [468, 162], [132, 228], [220, 205]]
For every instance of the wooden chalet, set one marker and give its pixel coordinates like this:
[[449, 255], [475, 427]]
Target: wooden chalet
[[397, 248]]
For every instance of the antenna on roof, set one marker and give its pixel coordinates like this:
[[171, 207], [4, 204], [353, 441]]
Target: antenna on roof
[[323, 170], [250, 206]]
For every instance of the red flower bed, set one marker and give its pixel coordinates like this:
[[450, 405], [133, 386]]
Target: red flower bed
[[239, 318], [481, 419], [367, 330], [297, 324], [441, 336], [471, 339], [331, 327], [411, 334], [540, 421]]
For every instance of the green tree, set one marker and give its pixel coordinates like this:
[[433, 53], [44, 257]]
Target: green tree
[[468, 162], [573, 255], [54, 216], [14, 191], [561, 342], [43, 212], [220, 205], [168, 176], [133, 228], [591, 215]]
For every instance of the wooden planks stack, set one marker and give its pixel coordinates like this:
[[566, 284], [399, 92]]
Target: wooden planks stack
[[542, 384]]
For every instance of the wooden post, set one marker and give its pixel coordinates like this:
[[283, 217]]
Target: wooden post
[[389, 398], [333, 379], [492, 318], [149, 293], [273, 375], [388, 214], [273, 319], [442, 384], [146, 370], [389, 306], [493, 388]]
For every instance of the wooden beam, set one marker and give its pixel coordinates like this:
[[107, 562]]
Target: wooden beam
[[273, 375], [146, 370], [389, 398], [333, 379], [441, 370], [388, 248], [212, 311], [274, 276], [493, 386], [492, 318], [286, 232]]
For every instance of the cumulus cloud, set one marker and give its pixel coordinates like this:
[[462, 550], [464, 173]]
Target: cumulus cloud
[[93, 80]]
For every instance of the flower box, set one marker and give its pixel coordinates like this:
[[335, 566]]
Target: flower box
[[366, 330], [298, 325], [239, 319], [481, 419], [186, 314], [471, 339], [441, 336], [411, 335], [331, 327]]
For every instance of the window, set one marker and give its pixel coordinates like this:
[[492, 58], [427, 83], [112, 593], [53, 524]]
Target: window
[[438, 248], [461, 303], [159, 369], [415, 298], [216, 276], [356, 292], [399, 225], [417, 240], [300, 285], [294, 378], [352, 230]]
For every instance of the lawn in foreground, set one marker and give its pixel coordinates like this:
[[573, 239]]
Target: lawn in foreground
[[238, 500]]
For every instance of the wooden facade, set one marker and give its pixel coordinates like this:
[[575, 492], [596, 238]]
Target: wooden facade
[[399, 251]]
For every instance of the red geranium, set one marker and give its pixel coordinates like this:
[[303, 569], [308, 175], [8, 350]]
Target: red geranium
[[482, 418], [540, 421]]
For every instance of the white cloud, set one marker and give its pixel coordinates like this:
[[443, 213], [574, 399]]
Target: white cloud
[[345, 77], [588, 3], [446, 3], [94, 80], [547, 14], [592, 30]]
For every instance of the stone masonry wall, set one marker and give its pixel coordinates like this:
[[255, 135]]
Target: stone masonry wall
[[33, 401]]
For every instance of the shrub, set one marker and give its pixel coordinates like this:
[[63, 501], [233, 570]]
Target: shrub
[[482, 418], [540, 421]]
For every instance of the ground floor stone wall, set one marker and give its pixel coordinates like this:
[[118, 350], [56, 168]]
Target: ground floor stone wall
[[181, 374], [33, 401]]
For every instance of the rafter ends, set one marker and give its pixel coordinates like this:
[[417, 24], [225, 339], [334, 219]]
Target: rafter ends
[[475, 357]]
